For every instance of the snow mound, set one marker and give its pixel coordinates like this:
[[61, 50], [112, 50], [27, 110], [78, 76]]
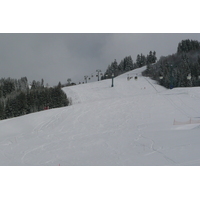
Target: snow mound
[[188, 127]]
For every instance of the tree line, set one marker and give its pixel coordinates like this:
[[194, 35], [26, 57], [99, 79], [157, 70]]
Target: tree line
[[18, 98], [127, 64], [181, 69]]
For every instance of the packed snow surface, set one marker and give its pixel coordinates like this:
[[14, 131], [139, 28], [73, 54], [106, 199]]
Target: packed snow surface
[[136, 122]]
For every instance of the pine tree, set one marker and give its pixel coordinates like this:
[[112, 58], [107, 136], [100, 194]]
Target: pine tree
[[128, 63], [8, 109], [1, 110], [121, 66], [138, 60], [154, 57], [188, 45], [1, 91]]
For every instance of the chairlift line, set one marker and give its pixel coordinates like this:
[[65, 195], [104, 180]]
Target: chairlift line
[[98, 71]]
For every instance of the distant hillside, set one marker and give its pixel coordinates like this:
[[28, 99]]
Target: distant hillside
[[127, 64], [18, 98], [181, 69]]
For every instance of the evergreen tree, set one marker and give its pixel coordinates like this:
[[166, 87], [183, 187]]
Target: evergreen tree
[[176, 68], [140, 60], [8, 109], [154, 57], [128, 63], [8, 87], [1, 91], [33, 85], [151, 58], [1, 110], [16, 99], [188, 45], [121, 66]]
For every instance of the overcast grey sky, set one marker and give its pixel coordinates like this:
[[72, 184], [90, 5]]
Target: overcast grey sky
[[57, 57]]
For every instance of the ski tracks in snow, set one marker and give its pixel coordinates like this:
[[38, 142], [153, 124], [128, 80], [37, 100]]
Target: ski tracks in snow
[[44, 133], [180, 105], [148, 147]]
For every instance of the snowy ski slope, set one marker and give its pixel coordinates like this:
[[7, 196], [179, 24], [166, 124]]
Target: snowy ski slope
[[131, 123]]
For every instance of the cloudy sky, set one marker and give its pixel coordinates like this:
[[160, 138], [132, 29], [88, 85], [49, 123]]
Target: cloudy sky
[[57, 40], [56, 57]]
